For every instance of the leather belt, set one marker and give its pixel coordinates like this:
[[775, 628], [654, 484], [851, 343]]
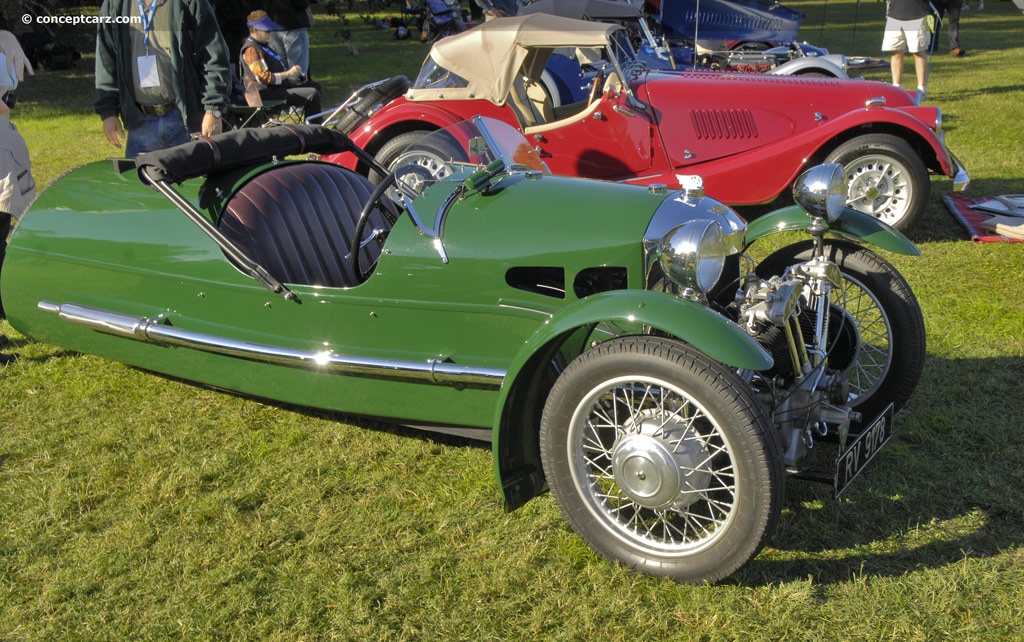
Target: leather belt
[[158, 110]]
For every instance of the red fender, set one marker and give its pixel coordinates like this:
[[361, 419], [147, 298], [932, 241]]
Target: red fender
[[778, 164], [402, 115]]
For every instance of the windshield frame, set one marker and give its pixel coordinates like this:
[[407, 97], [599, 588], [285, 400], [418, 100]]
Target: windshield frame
[[627, 65], [514, 157]]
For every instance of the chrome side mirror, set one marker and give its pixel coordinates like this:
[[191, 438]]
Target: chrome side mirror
[[821, 191]]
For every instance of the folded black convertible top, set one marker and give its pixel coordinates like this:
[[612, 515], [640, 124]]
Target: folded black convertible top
[[238, 148]]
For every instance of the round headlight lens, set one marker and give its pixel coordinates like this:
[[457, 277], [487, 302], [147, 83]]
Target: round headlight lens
[[693, 254], [821, 191]]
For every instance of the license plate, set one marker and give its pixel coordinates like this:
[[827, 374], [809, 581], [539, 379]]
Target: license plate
[[862, 450]]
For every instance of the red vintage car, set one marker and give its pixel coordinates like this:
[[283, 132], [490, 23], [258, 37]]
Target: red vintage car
[[747, 136]]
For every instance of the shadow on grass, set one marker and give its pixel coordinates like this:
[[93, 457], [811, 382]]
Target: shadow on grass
[[13, 345], [949, 487]]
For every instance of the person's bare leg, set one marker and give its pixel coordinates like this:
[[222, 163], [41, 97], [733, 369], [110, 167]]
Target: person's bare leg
[[896, 63], [921, 68]]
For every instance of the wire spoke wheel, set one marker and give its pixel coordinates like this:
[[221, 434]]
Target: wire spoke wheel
[[869, 356], [876, 329], [653, 464], [662, 459]]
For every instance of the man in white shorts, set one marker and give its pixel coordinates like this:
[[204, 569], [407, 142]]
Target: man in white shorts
[[906, 29]]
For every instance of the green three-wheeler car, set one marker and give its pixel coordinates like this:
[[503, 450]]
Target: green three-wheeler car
[[615, 342]]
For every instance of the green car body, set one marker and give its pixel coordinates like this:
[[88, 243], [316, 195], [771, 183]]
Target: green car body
[[102, 240], [467, 323]]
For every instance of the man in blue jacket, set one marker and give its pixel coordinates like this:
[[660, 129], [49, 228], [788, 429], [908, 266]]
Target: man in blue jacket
[[162, 70]]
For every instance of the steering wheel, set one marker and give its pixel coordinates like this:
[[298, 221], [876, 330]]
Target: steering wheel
[[595, 88], [380, 201]]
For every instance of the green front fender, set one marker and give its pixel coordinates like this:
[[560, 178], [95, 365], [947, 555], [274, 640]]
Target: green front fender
[[516, 424], [632, 310], [852, 224]]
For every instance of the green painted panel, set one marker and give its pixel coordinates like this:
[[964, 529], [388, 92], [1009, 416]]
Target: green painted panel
[[104, 241]]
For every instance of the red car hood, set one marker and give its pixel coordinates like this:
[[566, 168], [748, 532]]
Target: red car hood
[[703, 116]]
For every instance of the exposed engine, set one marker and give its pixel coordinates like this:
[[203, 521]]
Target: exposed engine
[[790, 315]]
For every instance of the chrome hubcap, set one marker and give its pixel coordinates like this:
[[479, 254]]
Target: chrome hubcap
[[652, 465], [879, 187], [656, 472]]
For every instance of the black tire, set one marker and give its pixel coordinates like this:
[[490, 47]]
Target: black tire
[[886, 177], [649, 407], [876, 329], [410, 148], [355, 115], [6, 221]]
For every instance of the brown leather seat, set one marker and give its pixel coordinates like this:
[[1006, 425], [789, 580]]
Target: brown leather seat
[[297, 221]]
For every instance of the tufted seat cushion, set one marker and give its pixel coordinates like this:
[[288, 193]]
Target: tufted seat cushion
[[297, 221]]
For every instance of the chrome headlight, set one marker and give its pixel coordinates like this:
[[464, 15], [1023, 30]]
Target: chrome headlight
[[821, 191], [693, 254]]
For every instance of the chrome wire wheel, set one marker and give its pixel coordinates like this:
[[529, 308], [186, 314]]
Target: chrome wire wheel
[[876, 329], [662, 459], [652, 464], [866, 334]]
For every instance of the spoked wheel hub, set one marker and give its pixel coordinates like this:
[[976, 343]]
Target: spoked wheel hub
[[656, 472]]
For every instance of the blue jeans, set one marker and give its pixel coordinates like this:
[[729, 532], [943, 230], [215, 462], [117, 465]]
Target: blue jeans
[[156, 132], [293, 46]]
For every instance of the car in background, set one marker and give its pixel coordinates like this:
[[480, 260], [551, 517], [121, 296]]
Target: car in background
[[747, 135], [782, 56]]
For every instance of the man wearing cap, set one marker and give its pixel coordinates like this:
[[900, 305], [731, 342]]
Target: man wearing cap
[[264, 69], [164, 73]]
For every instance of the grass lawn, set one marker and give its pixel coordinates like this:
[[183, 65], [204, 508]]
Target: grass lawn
[[137, 507]]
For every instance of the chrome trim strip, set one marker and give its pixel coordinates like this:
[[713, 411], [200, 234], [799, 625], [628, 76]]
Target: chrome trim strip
[[153, 331]]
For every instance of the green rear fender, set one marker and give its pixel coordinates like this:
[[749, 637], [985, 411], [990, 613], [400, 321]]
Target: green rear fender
[[853, 225], [624, 312]]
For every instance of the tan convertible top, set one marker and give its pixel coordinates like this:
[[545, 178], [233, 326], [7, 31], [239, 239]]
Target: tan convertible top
[[489, 56]]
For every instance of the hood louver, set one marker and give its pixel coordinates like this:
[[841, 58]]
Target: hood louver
[[715, 124]]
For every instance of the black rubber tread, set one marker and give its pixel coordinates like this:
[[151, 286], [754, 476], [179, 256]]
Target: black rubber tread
[[393, 149], [355, 115]]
